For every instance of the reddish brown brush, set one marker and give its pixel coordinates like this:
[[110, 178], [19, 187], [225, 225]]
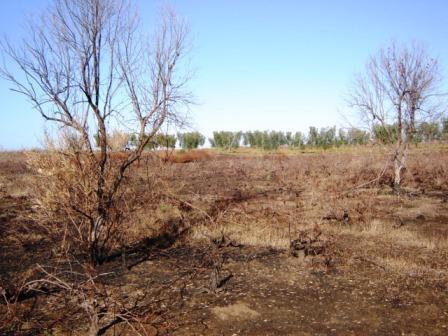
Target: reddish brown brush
[[255, 203], [185, 157]]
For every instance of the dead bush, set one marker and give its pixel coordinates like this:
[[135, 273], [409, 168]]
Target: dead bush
[[12, 163], [428, 171], [66, 198], [86, 289], [185, 156], [308, 243]]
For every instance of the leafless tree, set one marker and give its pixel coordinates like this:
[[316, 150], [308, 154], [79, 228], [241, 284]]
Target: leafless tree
[[400, 86], [87, 67]]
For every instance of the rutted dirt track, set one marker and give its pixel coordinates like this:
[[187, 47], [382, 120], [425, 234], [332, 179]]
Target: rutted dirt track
[[366, 261]]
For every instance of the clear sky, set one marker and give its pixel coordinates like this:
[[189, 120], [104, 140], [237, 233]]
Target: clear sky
[[282, 65]]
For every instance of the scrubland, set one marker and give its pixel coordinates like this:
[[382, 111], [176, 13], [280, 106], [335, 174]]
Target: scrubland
[[247, 242]]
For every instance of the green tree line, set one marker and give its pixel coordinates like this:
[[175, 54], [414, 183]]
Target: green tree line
[[324, 138]]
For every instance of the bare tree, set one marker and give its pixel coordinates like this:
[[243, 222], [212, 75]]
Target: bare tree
[[85, 67], [400, 87]]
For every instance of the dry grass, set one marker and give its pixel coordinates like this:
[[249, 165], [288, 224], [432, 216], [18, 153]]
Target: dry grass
[[404, 266], [281, 193], [185, 156], [271, 198], [264, 200], [387, 232]]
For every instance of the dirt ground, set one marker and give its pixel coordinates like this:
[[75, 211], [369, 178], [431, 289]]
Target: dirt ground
[[273, 244]]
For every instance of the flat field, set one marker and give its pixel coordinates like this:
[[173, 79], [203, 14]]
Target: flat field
[[253, 243]]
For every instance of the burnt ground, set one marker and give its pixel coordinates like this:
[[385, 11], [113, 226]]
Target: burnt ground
[[368, 262]]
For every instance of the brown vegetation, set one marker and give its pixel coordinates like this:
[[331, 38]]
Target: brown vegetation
[[185, 156], [82, 65], [215, 243]]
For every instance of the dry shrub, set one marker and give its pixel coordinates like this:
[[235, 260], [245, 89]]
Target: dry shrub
[[185, 157], [309, 242], [66, 200], [428, 171], [13, 163], [118, 156], [276, 157], [14, 174], [66, 197]]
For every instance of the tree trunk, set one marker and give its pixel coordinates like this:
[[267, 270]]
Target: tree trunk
[[400, 163], [398, 167], [95, 247]]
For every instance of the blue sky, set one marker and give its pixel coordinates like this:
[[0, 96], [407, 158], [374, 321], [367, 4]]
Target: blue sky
[[283, 65]]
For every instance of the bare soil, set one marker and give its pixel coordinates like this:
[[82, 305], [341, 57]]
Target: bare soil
[[366, 260]]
